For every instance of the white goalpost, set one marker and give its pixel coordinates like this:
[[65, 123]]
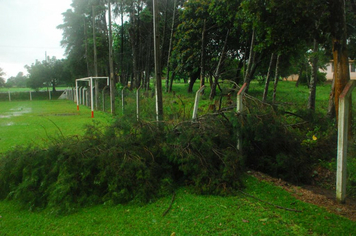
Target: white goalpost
[[91, 85]]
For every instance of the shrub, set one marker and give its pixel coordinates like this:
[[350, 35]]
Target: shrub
[[288, 150]]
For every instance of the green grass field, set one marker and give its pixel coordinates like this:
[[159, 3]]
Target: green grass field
[[41, 122], [190, 214], [38, 122]]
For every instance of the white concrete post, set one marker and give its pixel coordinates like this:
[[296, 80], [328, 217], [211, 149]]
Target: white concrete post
[[30, 95], [9, 96], [239, 109], [343, 124], [77, 94], [196, 102]]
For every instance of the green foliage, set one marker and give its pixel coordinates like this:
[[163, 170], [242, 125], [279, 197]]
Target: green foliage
[[305, 77], [282, 147], [20, 81], [127, 161], [205, 154]]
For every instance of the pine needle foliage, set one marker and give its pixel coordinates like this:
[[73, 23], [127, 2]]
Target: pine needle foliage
[[124, 162]]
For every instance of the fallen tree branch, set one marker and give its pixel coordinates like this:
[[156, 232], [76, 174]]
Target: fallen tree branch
[[170, 205], [268, 203]]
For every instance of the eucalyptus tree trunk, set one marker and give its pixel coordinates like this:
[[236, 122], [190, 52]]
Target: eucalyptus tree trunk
[[158, 77], [86, 47], [340, 54], [251, 60], [202, 57], [94, 43], [95, 60], [314, 78], [168, 83], [111, 65], [134, 38], [122, 41], [268, 78], [275, 80]]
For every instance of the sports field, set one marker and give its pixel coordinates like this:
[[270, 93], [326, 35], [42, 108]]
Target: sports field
[[40, 122]]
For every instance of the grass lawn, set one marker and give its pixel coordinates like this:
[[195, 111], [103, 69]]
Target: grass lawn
[[38, 122], [190, 214]]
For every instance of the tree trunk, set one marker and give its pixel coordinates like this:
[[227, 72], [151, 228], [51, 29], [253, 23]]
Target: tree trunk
[[275, 80], [159, 100], [163, 37], [218, 67], [202, 55], [122, 41], [111, 65], [265, 92], [86, 47], [171, 81], [95, 60], [251, 60], [194, 76], [340, 54], [300, 74], [331, 106], [314, 78], [168, 84], [94, 42]]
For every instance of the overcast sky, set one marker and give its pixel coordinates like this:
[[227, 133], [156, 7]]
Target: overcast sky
[[28, 30]]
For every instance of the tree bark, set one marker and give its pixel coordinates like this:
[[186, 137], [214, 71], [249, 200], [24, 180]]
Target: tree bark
[[95, 59], [202, 55], [314, 78], [159, 100], [275, 80], [300, 74], [331, 106], [86, 47], [268, 78], [122, 41], [111, 65], [193, 77], [168, 84], [340, 54], [251, 60]]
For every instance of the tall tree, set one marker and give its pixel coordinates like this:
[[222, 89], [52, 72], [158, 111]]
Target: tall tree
[[339, 48], [158, 77], [2, 80]]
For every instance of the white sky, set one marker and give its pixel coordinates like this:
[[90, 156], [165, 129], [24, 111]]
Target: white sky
[[28, 30]]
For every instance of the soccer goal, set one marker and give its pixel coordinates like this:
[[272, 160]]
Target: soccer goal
[[89, 80]]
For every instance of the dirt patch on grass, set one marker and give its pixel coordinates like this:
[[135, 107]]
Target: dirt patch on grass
[[313, 194]]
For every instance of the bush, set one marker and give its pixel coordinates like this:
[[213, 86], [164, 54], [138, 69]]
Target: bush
[[284, 149]]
